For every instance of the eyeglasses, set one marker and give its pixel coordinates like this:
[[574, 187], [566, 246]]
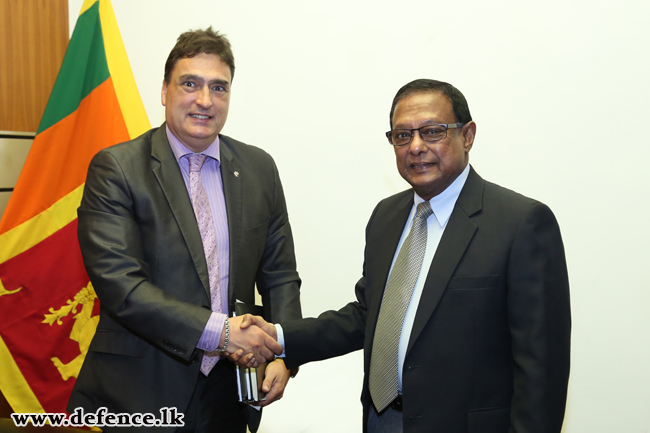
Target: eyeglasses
[[429, 133]]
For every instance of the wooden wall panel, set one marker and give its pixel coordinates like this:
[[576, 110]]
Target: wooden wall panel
[[33, 38]]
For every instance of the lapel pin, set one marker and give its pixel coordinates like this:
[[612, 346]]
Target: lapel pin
[[236, 174]]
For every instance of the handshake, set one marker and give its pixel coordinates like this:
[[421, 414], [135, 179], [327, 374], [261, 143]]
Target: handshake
[[253, 341]]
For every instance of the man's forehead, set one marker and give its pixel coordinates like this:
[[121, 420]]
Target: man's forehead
[[202, 65], [429, 104], [430, 99], [203, 78]]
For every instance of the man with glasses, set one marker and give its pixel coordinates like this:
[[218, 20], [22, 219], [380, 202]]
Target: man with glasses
[[463, 307]]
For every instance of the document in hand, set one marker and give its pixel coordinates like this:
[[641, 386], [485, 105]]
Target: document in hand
[[249, 380]]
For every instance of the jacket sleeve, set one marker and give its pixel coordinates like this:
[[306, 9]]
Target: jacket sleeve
[[277, 279], [540, 323]]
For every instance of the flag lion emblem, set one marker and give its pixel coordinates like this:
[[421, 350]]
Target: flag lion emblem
[[82, 331]]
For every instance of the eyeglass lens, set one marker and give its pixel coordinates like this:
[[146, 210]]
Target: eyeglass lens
[[429, 134]]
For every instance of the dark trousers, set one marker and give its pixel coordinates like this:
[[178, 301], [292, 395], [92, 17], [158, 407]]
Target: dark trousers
[[214, 406]]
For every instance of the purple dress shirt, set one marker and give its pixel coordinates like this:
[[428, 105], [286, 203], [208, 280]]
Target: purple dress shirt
[[211, 178]]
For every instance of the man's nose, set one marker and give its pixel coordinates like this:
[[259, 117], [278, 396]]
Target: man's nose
[[417, 144], [204, 98]]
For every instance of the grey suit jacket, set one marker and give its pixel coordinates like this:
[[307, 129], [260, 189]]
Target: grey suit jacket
[[489, 349], [142, 249]]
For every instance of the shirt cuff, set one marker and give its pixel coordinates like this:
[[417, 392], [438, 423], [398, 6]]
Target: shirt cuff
[[209, 340], [280, 332]]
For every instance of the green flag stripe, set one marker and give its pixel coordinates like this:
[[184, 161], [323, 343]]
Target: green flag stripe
[[84, 68]]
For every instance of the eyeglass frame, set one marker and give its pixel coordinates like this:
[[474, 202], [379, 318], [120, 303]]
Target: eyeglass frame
[[447, 126]]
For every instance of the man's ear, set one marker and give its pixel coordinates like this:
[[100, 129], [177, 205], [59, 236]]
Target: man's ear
[[469, 132], [163, 93]]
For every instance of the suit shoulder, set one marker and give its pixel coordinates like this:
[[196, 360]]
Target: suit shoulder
[[498, 192], [242, 150], [392, 203], [140, 145], [249, 158], [394, 199], [504, 200]]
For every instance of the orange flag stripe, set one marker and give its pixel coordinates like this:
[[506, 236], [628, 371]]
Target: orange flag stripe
[[52, 172]]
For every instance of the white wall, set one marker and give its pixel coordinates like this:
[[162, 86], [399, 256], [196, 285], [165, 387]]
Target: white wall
[[559, 90]]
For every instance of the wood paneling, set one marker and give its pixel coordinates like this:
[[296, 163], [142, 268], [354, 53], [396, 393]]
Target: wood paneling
[[33, 39]]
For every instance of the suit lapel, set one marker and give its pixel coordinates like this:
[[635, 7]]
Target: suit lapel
[[455, 240], [233, 192], [165, 169]]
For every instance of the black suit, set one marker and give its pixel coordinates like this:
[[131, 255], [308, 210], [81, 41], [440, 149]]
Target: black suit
[[143, 252], [489, 349]]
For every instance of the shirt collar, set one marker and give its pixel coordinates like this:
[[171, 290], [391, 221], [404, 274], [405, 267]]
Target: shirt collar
[[180, 150], [443, 204]]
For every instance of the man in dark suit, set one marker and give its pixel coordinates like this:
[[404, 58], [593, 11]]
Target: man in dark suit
[[171, 244], [463, 310]]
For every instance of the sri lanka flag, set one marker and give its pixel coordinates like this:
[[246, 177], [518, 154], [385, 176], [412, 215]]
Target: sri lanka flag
[[48, 308]]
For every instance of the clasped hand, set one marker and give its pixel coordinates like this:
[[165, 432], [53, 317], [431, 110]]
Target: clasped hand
[[258, 341], [276, 374]]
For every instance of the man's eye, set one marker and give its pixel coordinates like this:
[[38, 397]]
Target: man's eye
[[401, 135], [189, 84], [433, 132], [218, 89]]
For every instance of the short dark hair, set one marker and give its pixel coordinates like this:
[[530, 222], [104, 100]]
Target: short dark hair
[[423, 85], [193, 42]]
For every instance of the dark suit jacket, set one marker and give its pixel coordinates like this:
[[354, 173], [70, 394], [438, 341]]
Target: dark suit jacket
[[489, 349], [142, 249]]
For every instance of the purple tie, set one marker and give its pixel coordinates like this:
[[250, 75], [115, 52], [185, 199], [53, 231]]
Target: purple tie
[[203, 214]]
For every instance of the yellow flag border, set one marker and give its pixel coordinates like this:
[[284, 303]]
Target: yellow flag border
[[35, 230], [133, 111], [14, 386], [87, 4]]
